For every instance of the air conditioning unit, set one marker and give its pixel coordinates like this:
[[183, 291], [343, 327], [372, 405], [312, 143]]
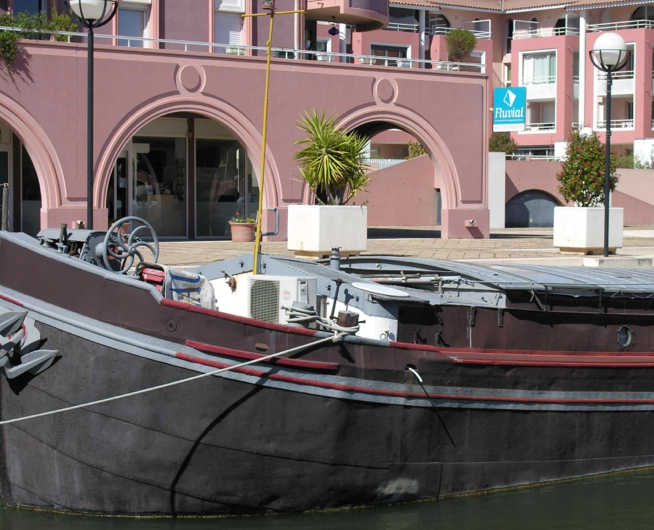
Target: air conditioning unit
[[267, 295]]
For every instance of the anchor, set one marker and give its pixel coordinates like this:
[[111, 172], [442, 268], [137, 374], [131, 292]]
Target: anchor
[[19, 340]]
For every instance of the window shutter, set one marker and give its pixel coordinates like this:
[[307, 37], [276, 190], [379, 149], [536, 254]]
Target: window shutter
[[228, 28]]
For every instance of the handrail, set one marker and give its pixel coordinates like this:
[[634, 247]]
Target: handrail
[[622, 74], [545, 126], [627, 123], [281, 53], [483, 34], [624, 24], [536, 31], [401, 26], [443, 30], [541, 80]]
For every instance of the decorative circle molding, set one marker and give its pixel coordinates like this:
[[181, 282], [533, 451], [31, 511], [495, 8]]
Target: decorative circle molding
[[385, 91], [190, 79]]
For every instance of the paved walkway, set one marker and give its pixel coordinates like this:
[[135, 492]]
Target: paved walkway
[[521, 244]]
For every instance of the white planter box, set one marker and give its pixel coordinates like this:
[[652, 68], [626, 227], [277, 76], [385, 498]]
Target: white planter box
[[314, 230], [582, 229]]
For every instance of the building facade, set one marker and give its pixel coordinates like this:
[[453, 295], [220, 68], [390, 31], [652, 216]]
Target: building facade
[[179, 90]]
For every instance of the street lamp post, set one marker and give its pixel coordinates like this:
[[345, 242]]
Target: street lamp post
[[609, 55], [92, 14]]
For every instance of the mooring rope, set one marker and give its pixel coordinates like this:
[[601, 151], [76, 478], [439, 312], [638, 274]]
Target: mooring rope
[[334, 338]]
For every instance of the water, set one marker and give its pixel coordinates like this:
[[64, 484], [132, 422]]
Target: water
[[617, 502]]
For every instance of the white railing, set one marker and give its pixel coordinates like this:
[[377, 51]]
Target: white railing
[[537, 127], [620, 74], [401, 26], [546, 158], [541, 80], [479, 31], [617, 124], [383, 163], [525, 29], [278, 53], [625, 24]]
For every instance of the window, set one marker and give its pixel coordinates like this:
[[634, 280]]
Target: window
[[404, 18], [438, 24], [539, 68], [228, 23], [509, 34], [643, 13], [507, 75], [324, 45], [132, 21], [389, 51], [30, 6]]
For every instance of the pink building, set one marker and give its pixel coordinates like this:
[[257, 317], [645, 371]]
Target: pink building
[[178, 115]]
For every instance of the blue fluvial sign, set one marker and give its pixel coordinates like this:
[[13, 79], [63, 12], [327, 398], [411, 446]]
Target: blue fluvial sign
[[509, 109]]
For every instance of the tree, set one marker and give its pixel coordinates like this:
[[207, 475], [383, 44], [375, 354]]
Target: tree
[[416, 150], [502, 143], [582, 174], [332, 160], [460, 43]]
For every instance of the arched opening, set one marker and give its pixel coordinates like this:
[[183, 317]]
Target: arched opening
[[531, 209], [643, 13], [404, 189], [566, 23], [438, 23], [18, 172], [186, 174]]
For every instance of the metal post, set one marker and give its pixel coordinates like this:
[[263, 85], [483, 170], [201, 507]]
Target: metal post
[[89, 135], [5, 207], [607, 169], [257, 239]]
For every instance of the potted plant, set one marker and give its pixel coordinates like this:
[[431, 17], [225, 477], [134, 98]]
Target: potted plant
[[460, 43], [242, 228], [331, 162], [581, 229]]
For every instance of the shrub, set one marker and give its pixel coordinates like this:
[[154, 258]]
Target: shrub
[[38, 26], [502, 143], [332, 160], [582, 174], [416, 150], [460, 43]]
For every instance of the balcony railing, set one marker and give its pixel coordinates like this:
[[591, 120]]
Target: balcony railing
[[541, 80], [239, 50], [617, 124], [540, 127], [400, 26], [625, 24], [383, 163], [526, 29], [481, 29], [621, 74]]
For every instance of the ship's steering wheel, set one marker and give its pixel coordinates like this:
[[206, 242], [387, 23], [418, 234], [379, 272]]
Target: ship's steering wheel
[[121, 248]]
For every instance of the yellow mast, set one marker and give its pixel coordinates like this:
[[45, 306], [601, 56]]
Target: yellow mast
[[270, 5]]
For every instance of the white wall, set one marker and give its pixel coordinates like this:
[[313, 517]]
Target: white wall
[[496, 189]]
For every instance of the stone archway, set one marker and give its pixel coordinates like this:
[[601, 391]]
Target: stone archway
[[226, 115], [40, 149], [428, 137]]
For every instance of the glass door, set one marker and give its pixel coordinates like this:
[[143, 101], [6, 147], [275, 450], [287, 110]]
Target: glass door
[[117, 190], [157, 175]]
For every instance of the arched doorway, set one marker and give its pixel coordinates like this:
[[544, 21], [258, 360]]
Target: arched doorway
[[404, 189], [185, 174], [531, 209], [17, 171]]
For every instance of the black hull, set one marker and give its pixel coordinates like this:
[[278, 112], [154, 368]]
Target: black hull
[[218, 446]]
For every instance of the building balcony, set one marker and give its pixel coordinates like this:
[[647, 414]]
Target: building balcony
[[616, 124], [141, 44], [540, 127], [526, 29], [623, 83], [481, 29], [625, 24], [365, 15], [540, 88]]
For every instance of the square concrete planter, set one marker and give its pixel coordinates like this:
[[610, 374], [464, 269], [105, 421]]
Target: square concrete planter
[[314, 230], [582, 229]]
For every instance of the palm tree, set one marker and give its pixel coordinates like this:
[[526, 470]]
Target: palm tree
[[332, 160]]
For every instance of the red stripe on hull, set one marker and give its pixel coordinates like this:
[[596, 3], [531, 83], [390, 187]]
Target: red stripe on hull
[[234, 318], [281, 361], [16, 302], [397, 393]]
